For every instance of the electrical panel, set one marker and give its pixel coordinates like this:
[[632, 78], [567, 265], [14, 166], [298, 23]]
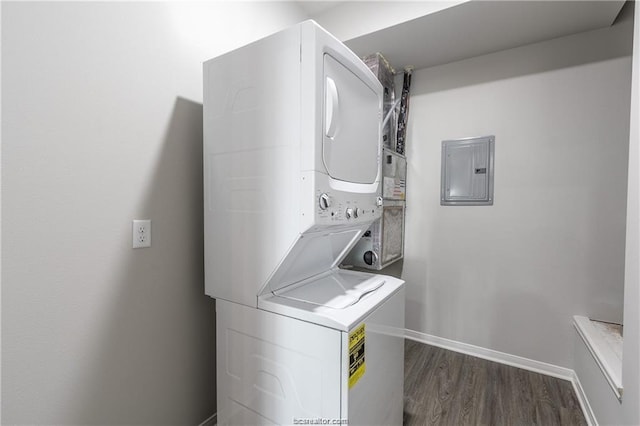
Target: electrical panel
[[467, 172]]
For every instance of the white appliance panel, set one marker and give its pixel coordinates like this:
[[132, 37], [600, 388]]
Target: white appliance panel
[[250, 164], [272, 369], [240, 226], [377, 398], [351, 123]]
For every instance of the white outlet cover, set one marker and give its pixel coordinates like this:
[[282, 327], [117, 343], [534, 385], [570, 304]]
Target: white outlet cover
[[141, 233]]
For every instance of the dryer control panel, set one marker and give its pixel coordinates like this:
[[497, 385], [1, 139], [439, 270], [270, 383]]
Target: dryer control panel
[[336, 208], [335, 205]]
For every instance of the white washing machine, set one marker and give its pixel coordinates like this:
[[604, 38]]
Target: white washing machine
[[292, 150], [324, 350]]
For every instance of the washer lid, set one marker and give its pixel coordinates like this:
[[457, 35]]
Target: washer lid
[[337, 299], [334, 290], [311, 255]]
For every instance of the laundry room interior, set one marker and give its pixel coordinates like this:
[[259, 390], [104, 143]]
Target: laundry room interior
[[102, 124]]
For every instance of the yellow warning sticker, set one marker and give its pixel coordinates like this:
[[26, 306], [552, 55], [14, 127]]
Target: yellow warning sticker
[[356, 355]]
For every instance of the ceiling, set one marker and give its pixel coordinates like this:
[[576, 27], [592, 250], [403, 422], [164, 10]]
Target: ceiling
[[479, 27], [315, 7]]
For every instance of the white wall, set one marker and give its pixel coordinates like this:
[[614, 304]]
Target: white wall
[[102, 124], [606, 407], [631, 345], [510, 277]]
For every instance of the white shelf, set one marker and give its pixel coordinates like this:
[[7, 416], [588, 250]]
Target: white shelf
[[608, 358]]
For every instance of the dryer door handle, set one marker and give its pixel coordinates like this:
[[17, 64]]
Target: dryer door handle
[[332, 108]]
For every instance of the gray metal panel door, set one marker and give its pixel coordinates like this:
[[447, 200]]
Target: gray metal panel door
[[467, 171]]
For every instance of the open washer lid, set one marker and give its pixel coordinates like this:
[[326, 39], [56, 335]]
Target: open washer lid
[[337, 299], [334, 290], [312, 254]]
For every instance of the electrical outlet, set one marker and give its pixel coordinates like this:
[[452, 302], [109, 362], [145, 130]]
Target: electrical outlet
[[141, 233]]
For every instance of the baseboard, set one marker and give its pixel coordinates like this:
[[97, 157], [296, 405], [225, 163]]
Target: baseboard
[[211, 421], [491, 355], [583, 400]]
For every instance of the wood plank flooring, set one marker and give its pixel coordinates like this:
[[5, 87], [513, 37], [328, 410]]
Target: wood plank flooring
[[442, 387]]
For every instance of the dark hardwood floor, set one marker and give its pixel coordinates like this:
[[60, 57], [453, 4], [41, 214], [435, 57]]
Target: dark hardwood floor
[[442, 387]]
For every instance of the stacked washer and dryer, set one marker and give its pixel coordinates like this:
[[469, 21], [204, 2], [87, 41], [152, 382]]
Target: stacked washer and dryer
[[292, 174]]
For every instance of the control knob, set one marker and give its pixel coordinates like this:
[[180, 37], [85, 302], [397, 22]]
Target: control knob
[[370, 257], [349, 213], [324, 201]]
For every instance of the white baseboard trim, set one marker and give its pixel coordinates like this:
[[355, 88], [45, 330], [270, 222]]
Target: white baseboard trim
[[584, 401], [211, 421], [491, 355]]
